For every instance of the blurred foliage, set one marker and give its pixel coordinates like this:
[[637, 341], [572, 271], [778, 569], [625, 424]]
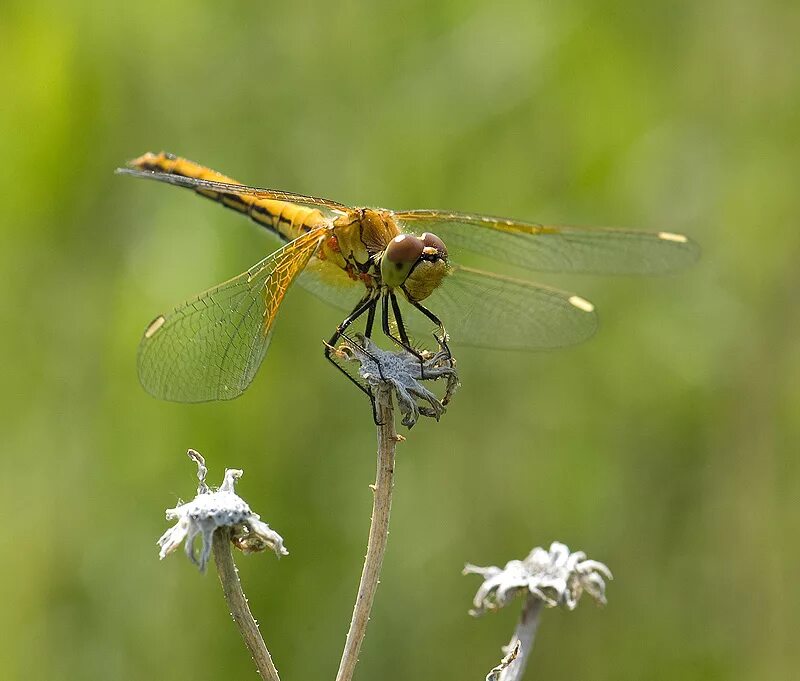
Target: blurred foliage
[[666, 446]]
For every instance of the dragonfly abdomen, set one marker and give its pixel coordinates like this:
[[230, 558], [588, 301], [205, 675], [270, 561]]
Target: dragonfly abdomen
[[287, 220]]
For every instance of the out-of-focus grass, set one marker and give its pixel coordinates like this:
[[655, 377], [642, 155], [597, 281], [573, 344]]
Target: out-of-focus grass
[[666, 447]]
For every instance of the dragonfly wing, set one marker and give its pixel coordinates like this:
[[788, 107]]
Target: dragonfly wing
[[331, 284], [210, 347], [483, 309], [548, 248], [215, 187]]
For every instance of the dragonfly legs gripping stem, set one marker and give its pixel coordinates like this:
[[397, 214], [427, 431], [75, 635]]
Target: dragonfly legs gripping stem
[[442, 338], [403, 377], [367, 304], [404, 341], [430, 365]]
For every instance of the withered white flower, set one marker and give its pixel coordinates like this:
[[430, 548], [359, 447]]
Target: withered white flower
[[404, 373], [212, 509], [557, 577]]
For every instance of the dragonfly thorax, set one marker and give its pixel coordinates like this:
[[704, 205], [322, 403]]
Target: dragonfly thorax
[[361, 236], [370, 246]]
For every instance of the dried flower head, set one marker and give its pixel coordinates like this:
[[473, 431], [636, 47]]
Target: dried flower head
[[403, 373], [557, 577], [212, 509]]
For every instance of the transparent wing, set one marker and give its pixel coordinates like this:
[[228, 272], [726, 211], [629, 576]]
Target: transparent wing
[[331, 284], [210, 348], [233, 188], [483, 309], [547, 248]]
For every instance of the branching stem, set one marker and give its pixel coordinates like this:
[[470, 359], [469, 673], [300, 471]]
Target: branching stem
[[525, 633], [376, 545], [237, 604]]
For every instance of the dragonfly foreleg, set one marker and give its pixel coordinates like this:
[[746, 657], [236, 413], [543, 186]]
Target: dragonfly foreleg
[[442, 339], [367, 304], [404, 341]]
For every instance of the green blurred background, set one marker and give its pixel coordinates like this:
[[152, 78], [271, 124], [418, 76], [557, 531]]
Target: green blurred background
[[666, 446]]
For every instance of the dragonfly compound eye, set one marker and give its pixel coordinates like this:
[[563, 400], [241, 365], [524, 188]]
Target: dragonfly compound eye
[[433, 241], [400, 256]]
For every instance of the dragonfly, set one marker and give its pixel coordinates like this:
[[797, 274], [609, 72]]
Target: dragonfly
[[376, 262]]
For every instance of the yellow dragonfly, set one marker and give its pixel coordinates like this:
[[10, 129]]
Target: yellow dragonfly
[[363, 259]]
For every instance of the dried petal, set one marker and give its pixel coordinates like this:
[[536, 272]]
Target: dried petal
[[255, 535]]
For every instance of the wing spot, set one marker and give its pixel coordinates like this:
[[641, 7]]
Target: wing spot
[[154, 326], [581, 303], [670, 236]]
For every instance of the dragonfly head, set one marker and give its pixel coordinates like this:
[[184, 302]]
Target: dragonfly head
[[417, 263]]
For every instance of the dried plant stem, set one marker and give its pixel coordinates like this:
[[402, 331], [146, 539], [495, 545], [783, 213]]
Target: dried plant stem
[[525, 633], [376, 545], [237, 604]]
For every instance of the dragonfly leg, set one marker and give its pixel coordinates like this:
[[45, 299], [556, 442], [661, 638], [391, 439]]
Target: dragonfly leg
[[367, 304], [370, 319], [403, 341], [401, 327], [442, 340], [368, 334], [442, 333]]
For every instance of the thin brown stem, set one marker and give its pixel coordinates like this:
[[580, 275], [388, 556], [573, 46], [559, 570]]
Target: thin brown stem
[[525, 633], [376, 544], [237, 604]]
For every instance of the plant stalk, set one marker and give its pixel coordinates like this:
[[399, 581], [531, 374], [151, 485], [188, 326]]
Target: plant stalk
[[376, 544], [237, 604], [525, 633]]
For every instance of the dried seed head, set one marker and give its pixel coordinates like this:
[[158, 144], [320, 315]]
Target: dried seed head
[[212, 509], [557, 577]]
